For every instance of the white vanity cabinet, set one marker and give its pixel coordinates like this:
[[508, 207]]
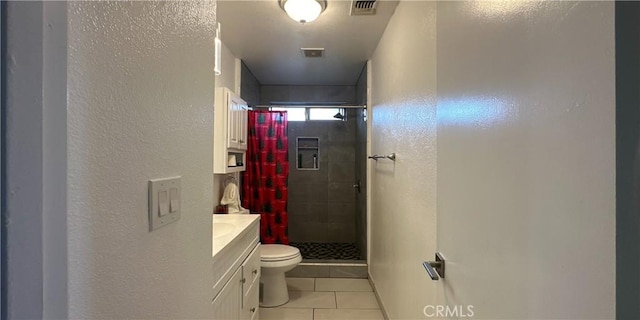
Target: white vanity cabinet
[[227, 304], [251, 286], [229, 132], [236, 267]]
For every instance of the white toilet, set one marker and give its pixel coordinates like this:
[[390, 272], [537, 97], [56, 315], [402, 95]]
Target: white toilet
[[275, 260]]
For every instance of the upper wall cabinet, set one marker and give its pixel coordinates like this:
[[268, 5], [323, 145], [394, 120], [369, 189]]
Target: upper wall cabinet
[[229, 132]]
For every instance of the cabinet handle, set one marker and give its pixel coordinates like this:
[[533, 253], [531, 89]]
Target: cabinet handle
[[243, 280], [241, 141], [255, 271], [253, 309]]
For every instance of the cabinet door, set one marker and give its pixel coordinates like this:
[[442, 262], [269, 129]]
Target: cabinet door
[[244, 126], [251, 309], [251, 285], [232, 126], [250, 273], [230, 116], [237, 125], [228, 304]]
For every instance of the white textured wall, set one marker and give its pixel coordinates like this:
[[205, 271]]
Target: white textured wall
[[140, 100], [526, 158], [403, 195]]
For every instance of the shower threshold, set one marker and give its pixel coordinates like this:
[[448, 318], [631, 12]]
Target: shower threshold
[[329, 260], [328, 251]]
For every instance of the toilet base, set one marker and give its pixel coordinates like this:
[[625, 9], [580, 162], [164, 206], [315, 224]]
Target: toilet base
[[273, 290]]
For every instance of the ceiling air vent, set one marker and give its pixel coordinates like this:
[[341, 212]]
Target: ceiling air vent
[[313, 52], [363, 7]]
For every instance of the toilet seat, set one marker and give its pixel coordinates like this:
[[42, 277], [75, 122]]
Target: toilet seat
[[278, 252]]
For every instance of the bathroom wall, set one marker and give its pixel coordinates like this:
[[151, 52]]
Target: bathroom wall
[[307, 94], [403, 195], [361, 164], [250, 87], [504, 110], [140, 79], [322, 202]]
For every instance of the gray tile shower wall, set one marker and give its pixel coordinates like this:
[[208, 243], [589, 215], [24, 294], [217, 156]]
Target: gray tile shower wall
[[322, 204], [273, 94]]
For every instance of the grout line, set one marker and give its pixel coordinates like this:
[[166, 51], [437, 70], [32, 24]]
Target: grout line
[[335, 294]]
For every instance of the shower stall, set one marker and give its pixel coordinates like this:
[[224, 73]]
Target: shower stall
[[327, 201], [326, 197]]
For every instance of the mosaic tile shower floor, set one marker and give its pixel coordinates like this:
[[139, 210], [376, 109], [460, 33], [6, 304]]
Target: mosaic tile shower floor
[[327, 251]]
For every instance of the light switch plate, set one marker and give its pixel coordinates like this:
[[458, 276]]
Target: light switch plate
[[164, 203]]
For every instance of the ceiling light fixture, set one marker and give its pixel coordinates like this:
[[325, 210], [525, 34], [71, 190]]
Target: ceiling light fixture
[[303, 11]]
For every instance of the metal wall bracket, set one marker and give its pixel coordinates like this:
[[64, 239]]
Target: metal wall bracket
[[435, 269], [391, 156]]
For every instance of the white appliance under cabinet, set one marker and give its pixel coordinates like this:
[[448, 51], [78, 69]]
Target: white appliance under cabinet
[[230, 120], [236, 267]]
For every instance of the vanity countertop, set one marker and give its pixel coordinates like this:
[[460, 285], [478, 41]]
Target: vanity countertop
[[227, 227]]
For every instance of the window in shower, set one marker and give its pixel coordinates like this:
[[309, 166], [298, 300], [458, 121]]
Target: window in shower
[[312, 113], [326, 114], [293, 114]]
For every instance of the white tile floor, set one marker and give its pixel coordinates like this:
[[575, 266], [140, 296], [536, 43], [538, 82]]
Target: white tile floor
[[324, 298]]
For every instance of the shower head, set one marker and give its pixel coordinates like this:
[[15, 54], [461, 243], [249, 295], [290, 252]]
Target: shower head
[[339, 116]]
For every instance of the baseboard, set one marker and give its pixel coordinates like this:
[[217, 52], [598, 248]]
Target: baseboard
[[375, 291]]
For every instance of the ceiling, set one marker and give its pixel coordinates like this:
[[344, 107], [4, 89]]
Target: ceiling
[[268, 41]]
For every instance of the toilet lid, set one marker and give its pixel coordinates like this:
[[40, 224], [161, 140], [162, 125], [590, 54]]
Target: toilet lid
[[277, 252]]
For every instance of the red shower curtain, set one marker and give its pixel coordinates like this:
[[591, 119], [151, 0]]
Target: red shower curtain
[[267, 171]]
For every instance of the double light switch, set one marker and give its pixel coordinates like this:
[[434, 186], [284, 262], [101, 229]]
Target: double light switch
[[164, 201], [168, 201]]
